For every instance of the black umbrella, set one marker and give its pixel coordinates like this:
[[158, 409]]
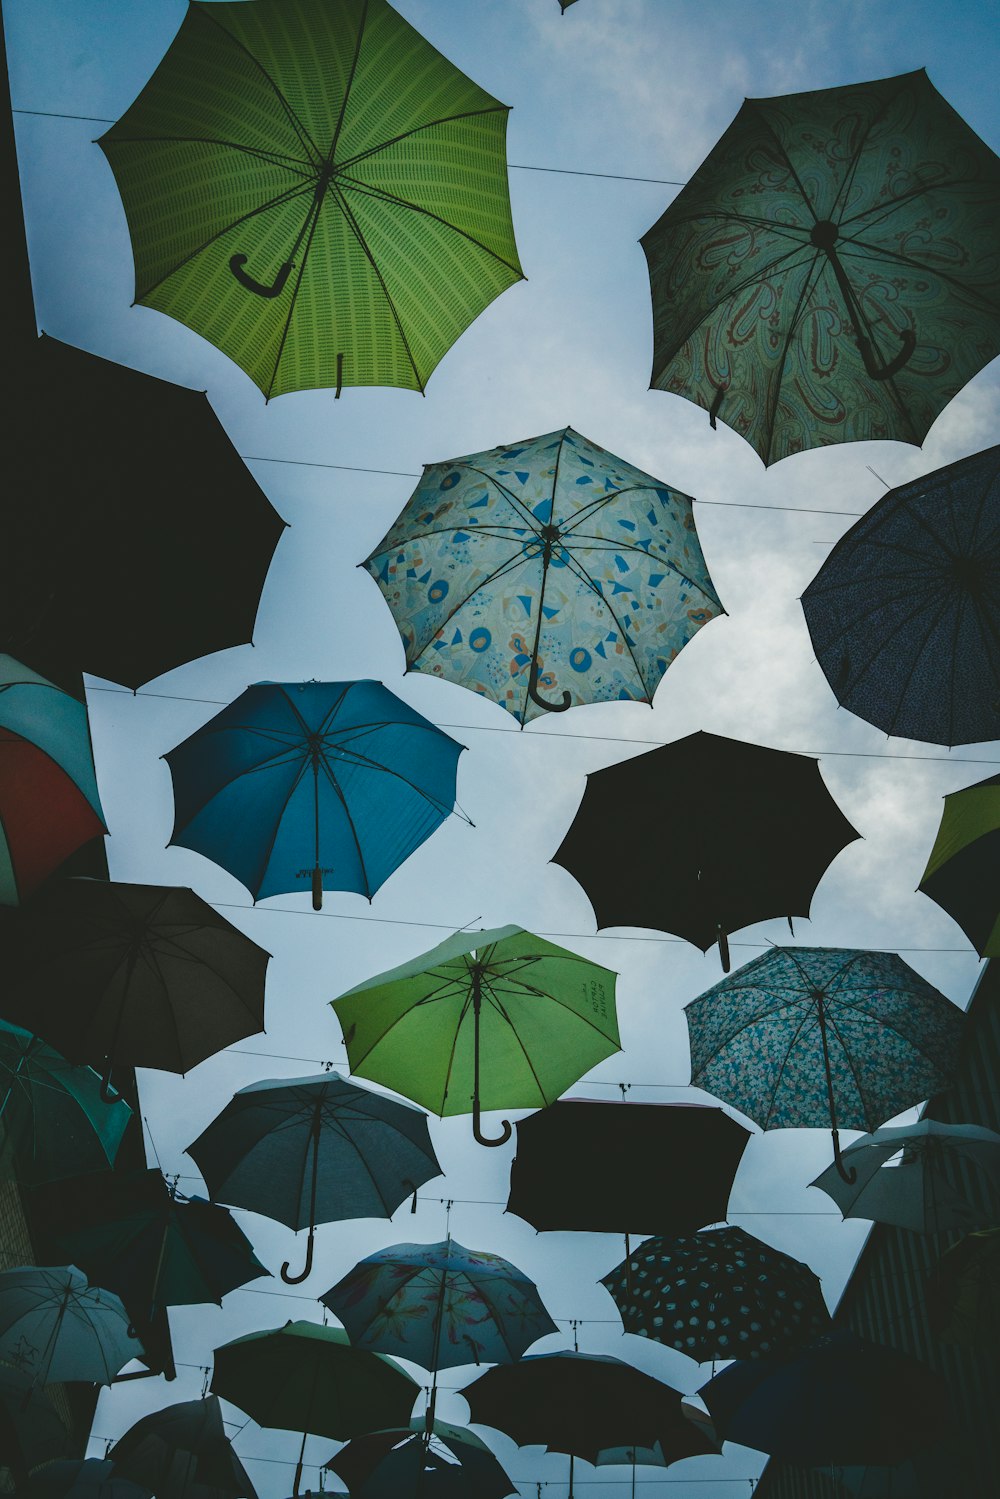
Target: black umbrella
[[31, 1430], [904, 614], [449, 1462], [704, 836], [138, 539], [182, 1452], [141, 975], [86, 1478]]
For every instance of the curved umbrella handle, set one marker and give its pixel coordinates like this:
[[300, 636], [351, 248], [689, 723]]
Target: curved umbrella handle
[[886, 371], [848, 1173], [484, 1139], [723, 940], [108, 1094], [236, 264], [535, 696], [294, 1280]]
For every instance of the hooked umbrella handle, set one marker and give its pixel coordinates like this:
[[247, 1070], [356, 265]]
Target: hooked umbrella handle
[[536, 697], [848, 1173], [477, 1131], [236, 264]]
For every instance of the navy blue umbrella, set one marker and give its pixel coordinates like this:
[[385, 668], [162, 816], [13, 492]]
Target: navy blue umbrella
[[904, 614], [328, 784]]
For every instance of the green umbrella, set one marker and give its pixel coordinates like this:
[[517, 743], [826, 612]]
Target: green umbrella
[[961, 871], [303, 1377], [317, 191], [486, 1020], [830, 272]]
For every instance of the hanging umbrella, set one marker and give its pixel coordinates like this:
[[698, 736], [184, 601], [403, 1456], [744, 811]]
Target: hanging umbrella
[[343, 774], [49, 802], [732, 833], [960, 873], [963, 1292], [547, 564], [153, 1247], [311, 1150], [55, 1327], [644, 1168], [353, 209], [924, 1191], [139, 540], [936, 1471], [142, 975], [31, 1430], [804, 1037], [306, 1378], [90, 1478], [53, 1114], [904, 615], [485, 1020], [842, 1400], [182, 1452], [655, 1456], [404, 1464], [720, 1294], [829, 273]]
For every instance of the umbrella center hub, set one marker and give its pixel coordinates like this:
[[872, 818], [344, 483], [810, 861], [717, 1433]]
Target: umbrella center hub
[[824, 234], [969, 574], [550, 535]]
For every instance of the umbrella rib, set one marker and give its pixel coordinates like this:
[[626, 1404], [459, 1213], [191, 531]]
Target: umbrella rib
[[332, 779], [308, 231], [338, 1125], [498, 572], [466, 114], [516, 505], [496, 532], [366, 763], [297, 125], [355, 229], [386, 197], [755, 279], [809, 286], [577, 567], [809, 1010], [362, 22], [599, 544], [765, 121], [269, 848], [831, 1022], [258, 153], [889, 1025], [501, 1011], [897, 257]]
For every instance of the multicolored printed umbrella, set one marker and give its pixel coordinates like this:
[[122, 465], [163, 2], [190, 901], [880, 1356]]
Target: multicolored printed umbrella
[[829, 273], [545, 573], [719, 1293], [804, 1037], [485, 1020], [961, 871], [49, 802], [453, 1464], [317, 191]]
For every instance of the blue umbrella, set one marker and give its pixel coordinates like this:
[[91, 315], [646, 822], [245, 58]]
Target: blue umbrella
[[330, 782]]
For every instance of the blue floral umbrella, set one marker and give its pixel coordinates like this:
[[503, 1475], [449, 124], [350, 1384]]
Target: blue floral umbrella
[[329, 783], [544, 574]]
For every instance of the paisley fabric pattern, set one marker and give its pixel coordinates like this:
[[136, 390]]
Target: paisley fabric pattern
[[756, 1040], [748, 309], [440, 1305], [720, 1293], [549, 550]]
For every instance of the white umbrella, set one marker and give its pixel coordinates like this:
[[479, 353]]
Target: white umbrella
[[920, 1191], [56, 1327]]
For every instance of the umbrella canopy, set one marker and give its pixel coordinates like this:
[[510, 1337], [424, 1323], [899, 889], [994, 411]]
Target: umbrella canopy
[[732, 833], [403, 1464], [131, 1233], [904, 614], [923, 1192], [485, 1020], [143, 975], [90, 1478], [139, 540], [314, 1150], [721, 1294], [804, 1037], [644, 1168], [331, 784], [55, 1327], [961, 868], [52, 1113], [302, 1377], [841, 1401], [545, 573], [182, 1452], [31, 1430], [353, 208], [963, 1293], [927, 1476], [49, 802], [829, 273]]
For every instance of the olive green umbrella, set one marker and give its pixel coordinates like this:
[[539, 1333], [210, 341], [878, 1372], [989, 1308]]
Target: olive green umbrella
[[317, 191], [486, 1020], [961, 873]]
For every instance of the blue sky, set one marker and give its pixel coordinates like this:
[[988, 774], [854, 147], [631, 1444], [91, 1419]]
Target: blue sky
[[636, 87]]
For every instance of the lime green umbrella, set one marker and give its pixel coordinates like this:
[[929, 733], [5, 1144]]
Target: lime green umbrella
[[317, 191], [487, 1020], [961, 873]]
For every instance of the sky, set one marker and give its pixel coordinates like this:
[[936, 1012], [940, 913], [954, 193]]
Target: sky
[[641, 89]]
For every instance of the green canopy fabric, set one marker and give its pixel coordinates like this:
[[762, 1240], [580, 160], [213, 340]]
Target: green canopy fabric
[[486, 1020], [962, 871], [317, 191]]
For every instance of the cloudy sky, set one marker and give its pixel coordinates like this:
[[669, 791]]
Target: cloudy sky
[[642, 89]]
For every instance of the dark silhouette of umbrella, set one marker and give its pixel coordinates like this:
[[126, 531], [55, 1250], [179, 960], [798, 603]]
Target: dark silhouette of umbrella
[[904, 614], [450, 1462], [182, 1452], [804, 1037], [312, 187], [963, 1291], [330, 783], [829, 273], [719, 1293], [961, 870], [31, 1429], [87, 1478], [702, 837], [142, 975], [842, 1400], [311, 1150]]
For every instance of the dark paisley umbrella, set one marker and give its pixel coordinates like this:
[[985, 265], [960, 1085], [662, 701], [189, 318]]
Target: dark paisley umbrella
[[904, 614], [702, 837], [182, 1452], [719, 1293]]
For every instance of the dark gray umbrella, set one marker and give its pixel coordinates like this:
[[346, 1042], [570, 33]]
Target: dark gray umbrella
[[182, 1452], [89, 1478]]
